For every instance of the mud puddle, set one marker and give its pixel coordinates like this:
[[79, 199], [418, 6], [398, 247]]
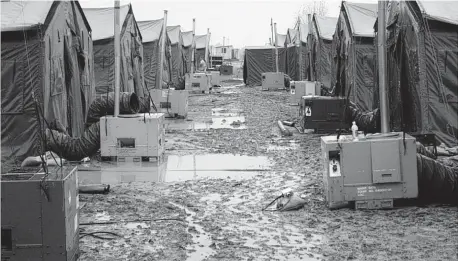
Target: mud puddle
[[226, 112], [202, 241], [213, 123], [176, 168]]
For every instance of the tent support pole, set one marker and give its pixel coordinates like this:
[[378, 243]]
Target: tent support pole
[[298, 44], [309, 16], [276, 49], [117, 45], [384, 116], [193, 45], [272, 31], [163, 42], [207, 41]]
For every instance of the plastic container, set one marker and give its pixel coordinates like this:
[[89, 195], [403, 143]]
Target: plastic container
[[354, 131]]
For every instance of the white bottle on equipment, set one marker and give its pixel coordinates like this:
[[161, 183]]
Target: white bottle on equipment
[[354, 130]]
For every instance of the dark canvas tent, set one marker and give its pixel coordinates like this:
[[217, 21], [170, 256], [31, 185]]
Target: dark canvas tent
[[293, 52], [259, 60], [187, 48], [320, 43], [47, 73], [201, 45], [422, 42], [178, 57], [354, 53], [152, 36], [102, 23]]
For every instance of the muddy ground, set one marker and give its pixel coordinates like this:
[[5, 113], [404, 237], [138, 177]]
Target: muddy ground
[[221, 219]]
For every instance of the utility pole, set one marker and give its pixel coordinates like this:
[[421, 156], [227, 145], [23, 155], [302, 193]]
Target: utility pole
[[117, 45], [384, 115]]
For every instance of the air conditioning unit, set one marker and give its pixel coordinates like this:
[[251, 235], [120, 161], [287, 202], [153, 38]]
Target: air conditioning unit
[[322, 113], [272, 81], [215, 78], [370, 172], [198, 82], [171, 102], [303, 88], [40, 215], [138, 135]]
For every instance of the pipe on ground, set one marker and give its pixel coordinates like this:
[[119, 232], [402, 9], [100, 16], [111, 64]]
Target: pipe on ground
[[74, 149], [283, 130]]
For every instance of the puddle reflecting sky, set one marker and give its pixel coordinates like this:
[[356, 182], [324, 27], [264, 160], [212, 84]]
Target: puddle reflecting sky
[[226, 112], [213, 123], [176, 168]]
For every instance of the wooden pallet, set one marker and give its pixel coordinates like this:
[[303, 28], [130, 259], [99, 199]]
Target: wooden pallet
[[133, 159]]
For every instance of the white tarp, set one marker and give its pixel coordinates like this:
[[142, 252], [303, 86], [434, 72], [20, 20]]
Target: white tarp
[[201, 41], [101, 21], [151, 30], [362, 17], [444, 11], [187, 38], [18, 15], [174, 33], [326, 26]]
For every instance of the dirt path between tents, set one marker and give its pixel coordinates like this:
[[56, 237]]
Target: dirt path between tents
[[221, 219]]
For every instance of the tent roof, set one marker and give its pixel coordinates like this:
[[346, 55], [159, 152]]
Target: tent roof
[[326, 26], [23, 15], [361, 17], [102, 20], [174, 33], [304, 29], [291, 35], [201, 41], [151, 30], [259, 47], [187, 38], [444, 11], [281, 39]]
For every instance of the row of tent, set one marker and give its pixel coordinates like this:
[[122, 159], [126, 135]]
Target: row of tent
[[341, 53], [57, 58]]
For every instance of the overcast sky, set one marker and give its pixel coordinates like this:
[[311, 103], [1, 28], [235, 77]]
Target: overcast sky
[[243, 23]]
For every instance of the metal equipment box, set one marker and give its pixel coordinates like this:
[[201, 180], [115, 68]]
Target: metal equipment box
[[226, 69], [173, 103], [303, 88], [272, 81], [215, 78], [322, 113], [40, 215], [199, 82], [137, 135], [370, 172]]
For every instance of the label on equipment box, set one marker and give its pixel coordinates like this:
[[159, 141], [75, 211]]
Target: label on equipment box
[[362, 191], [308, 111]]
